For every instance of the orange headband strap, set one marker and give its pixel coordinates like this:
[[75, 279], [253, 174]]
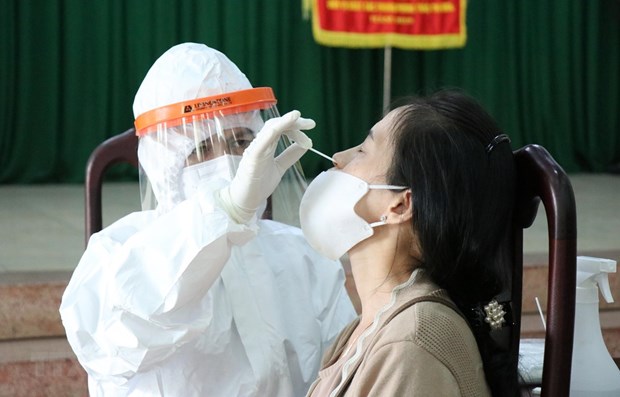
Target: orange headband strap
[[232, 102]]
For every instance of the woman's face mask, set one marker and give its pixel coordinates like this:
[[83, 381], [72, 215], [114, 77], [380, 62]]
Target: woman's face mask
[[327, 215]]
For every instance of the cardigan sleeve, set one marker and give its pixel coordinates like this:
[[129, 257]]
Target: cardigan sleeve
[[403, 369]]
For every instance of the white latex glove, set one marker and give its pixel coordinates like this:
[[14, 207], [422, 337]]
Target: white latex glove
[[162, 164], [259, 171]]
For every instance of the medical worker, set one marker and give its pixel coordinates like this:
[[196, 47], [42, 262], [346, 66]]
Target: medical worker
[[201, 295]]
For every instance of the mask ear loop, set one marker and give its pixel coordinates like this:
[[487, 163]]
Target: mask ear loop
[[386, 187], [380, 222], [383, 219]]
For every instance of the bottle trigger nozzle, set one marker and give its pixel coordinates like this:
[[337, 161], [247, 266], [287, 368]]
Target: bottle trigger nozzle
[[603, 284]]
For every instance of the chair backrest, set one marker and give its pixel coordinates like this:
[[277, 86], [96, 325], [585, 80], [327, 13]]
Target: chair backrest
[[122, 148], [541, 179]]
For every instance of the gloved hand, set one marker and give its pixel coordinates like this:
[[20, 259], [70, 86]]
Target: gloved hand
[[163, 164], [259, 171]]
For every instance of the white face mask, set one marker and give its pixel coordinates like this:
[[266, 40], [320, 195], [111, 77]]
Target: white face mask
[[327, 215], [223, 167]]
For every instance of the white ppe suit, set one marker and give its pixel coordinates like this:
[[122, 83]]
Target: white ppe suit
[[188, 302]]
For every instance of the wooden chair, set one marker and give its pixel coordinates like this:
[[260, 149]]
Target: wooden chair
[[541, 179], [122, 148]]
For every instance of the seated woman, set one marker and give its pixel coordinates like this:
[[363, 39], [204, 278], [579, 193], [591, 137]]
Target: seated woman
[[421, 207]]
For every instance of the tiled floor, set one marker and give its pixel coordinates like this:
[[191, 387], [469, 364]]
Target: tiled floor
[[42, 227]]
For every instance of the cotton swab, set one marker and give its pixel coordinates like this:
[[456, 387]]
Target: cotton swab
[[322, 155]]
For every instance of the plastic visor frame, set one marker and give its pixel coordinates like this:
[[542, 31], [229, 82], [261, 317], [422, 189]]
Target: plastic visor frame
[[231, 102]]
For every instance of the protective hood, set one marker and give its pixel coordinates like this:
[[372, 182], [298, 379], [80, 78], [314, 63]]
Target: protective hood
[[195, 105], [187, 71]]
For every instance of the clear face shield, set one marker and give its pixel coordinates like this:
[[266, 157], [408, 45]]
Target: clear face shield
[[198, 144]]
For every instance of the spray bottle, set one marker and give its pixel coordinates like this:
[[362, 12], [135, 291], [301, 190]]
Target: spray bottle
[[594, 372]]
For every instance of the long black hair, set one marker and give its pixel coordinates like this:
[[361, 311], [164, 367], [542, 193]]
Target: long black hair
[[462, 181]]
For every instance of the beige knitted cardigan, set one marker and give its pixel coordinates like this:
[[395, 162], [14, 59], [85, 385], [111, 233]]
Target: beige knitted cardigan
[[421, 346]]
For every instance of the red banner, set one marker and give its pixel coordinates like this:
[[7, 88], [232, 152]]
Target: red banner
[[410, 24]]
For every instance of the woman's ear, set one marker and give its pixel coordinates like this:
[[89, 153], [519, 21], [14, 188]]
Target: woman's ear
[[401, 207]]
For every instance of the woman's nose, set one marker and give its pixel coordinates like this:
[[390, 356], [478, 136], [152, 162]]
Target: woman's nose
[[341, 159], [338, 160]]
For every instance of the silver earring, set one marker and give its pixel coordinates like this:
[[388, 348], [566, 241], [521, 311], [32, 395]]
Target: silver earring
[[383, 218]]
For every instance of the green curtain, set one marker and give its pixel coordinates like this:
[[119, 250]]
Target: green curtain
[[547, 70]]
